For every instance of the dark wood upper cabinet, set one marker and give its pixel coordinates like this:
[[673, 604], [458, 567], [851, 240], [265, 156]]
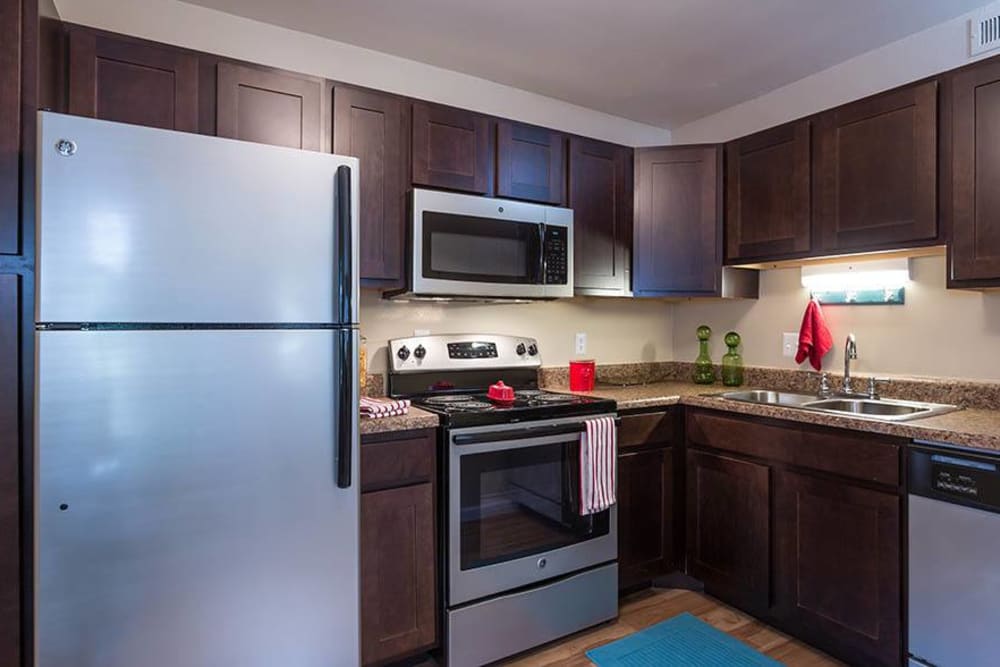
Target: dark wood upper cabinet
[[768, 207], [876, 172], [531, 163], [677, 233], [10, 125], [600, 194], [974, 206], [372, 127], [838, 560], [645, 514], [728, 528], [452, 149], [268, 107], [132, 81]]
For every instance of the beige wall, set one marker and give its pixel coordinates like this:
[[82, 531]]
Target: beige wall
[[208, 30], [937, 332], [617, 329]]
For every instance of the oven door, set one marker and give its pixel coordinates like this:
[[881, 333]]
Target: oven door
[[514, 509], [474, 246]]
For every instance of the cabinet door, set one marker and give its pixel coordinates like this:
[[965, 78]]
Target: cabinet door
[[531, 163], [838, 567], [131, 81], [600, 194], [398, 586], [268, 107], [10, 404], [371, 126], [645, 515], [452, 148], [768, 210], [974, 251], [728, 528], [677, 246], [876, 172], [10, 124]]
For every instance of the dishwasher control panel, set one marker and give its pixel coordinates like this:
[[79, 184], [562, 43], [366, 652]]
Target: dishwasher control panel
[[956, 475]]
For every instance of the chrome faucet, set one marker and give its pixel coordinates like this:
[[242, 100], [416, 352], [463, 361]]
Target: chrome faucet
[[850, 352]]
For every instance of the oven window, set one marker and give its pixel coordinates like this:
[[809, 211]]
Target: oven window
[[519, 502], [461, 247]]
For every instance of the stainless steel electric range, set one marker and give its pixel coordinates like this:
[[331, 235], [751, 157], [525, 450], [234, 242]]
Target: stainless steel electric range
[[522, 566]]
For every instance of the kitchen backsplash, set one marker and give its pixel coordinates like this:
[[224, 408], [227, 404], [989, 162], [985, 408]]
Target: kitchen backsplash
[[937, 333]]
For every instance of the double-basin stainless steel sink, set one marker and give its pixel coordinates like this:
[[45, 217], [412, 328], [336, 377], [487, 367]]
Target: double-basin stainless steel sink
[[884, 409]]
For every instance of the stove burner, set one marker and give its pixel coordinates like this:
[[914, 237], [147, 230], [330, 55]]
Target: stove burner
[[445, 400], [543, 397]]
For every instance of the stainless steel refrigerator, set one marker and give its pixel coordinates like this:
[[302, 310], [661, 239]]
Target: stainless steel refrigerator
[[196, 497]]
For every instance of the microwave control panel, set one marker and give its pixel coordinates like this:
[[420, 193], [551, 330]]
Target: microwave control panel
[[556, 254]]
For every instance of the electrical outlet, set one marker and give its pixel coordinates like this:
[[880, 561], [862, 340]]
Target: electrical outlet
[[581, 343], [789, 344]]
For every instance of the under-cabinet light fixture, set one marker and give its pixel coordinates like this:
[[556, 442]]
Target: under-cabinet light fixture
[[877, 274]]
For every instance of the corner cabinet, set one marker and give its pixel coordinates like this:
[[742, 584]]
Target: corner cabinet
[[600, 194], [118, 78], [768, 205], [876, 172], [374, 127], [972, 100], [452, 149], [677, 232], [399, 588]]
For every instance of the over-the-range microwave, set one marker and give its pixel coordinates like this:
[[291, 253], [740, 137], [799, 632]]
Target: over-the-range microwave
[[479, 248]]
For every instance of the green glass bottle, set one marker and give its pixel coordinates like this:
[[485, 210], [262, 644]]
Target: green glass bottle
[[704, 372], [732, 362]]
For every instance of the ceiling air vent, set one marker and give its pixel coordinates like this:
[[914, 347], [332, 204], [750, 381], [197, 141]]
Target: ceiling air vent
[[984, 30]]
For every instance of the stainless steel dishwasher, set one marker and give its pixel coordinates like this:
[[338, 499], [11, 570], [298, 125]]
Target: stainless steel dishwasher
[[954, 557]]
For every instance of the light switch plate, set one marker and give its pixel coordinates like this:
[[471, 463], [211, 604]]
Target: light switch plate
[[789, 344]]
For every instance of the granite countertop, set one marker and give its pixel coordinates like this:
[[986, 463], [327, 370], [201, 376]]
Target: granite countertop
[[977, 428], [414, 419]]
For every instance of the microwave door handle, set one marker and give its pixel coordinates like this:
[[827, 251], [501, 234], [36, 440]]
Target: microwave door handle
[[541, 253]]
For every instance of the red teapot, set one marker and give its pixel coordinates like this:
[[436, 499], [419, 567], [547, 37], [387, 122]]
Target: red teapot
[[501, 393]]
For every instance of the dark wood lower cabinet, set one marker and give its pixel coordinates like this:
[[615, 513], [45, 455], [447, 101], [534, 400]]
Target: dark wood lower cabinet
[[838, 567], [10, 504], [645, 515], [802, 527], [728, 528], [399, 600], [397, 572]]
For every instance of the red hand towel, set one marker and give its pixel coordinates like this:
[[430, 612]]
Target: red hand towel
[[814, 336], [598, 460]]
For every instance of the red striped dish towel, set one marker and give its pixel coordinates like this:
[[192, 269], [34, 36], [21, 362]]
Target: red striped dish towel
[[598, 461], [376, 408]]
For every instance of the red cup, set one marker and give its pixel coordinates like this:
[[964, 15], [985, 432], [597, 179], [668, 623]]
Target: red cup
[[581, 375]]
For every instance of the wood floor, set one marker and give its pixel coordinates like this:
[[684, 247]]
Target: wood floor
[[648, 607]]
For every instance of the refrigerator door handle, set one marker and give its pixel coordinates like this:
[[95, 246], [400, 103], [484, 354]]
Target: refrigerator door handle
[[347, 409], [344, 287]]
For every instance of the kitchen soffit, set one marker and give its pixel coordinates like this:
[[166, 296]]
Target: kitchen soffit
[[661, 62]]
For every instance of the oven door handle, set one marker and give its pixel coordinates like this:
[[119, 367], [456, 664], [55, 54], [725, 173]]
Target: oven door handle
[[521, 433]]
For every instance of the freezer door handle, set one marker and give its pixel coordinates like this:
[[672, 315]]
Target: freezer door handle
[[343, 253], [346, 409]]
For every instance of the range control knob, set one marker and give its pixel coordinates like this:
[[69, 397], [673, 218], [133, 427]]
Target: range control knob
[[532, 349], [420, 352], [520, 348], [403, 353]]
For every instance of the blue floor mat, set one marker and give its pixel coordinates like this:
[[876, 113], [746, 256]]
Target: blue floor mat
[[682, 641]]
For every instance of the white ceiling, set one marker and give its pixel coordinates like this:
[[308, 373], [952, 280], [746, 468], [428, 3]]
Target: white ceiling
[[662, 62]]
